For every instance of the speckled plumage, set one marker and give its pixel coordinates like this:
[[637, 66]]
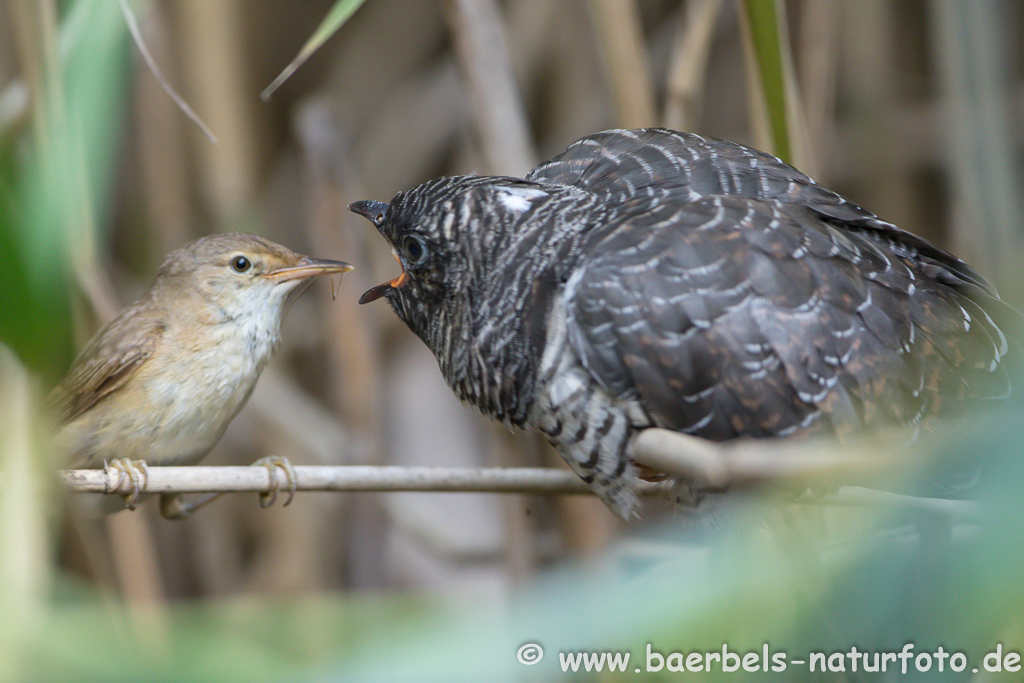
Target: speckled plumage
[[653, 278]]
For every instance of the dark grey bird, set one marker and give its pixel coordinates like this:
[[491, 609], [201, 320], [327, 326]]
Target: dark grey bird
[[649, 278]]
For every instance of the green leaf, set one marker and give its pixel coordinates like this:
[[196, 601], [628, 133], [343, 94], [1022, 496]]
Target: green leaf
[[766, 48], [339, 14]]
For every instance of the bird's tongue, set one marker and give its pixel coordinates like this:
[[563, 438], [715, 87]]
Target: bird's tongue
[[374, 293]]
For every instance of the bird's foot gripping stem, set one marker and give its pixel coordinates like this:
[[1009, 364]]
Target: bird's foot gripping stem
[[131, 474], [272, 463]]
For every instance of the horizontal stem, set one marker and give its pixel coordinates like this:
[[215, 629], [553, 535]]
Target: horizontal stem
[[738, 463], [204, 479], [522, 480]]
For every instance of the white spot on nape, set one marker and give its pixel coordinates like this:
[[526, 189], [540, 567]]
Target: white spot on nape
[[519, 199], [564, 387]]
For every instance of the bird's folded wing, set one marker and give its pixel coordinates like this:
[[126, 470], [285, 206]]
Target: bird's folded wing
[[684, 166], [110, 360], [729, 317]]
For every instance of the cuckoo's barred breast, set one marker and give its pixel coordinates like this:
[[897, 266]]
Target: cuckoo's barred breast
[[654, 278]]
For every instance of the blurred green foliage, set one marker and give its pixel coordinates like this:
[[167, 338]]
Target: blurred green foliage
[[53, 181], [34, 317]]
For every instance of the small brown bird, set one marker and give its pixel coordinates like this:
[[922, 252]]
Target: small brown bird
[[162, 381]]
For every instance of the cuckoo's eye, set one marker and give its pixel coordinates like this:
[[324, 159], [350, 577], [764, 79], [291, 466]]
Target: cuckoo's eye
[[240, 264], [415, 248]]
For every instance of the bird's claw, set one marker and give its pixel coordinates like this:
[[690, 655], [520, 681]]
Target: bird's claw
[[129, 472], [267, 498]]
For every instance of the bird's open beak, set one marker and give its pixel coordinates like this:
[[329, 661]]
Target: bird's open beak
[[308, 267], [374, 293], [374, 212]]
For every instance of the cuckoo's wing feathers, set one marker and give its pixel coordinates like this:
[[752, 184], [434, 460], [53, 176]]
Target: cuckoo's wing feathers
[[636, 162], [730, 316], [685, 166], [107, 362]]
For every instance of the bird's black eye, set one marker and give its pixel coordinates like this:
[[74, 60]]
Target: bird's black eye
[[415, 247], [241, 264]]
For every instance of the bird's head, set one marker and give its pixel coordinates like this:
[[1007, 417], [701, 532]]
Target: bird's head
[[238, 275], [451, 237]]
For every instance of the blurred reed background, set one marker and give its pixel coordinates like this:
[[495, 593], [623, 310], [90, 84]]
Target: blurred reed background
[[911, 108]]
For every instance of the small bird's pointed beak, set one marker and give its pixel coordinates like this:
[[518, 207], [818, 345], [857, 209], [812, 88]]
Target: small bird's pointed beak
[[370, 210], [306, 268]]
